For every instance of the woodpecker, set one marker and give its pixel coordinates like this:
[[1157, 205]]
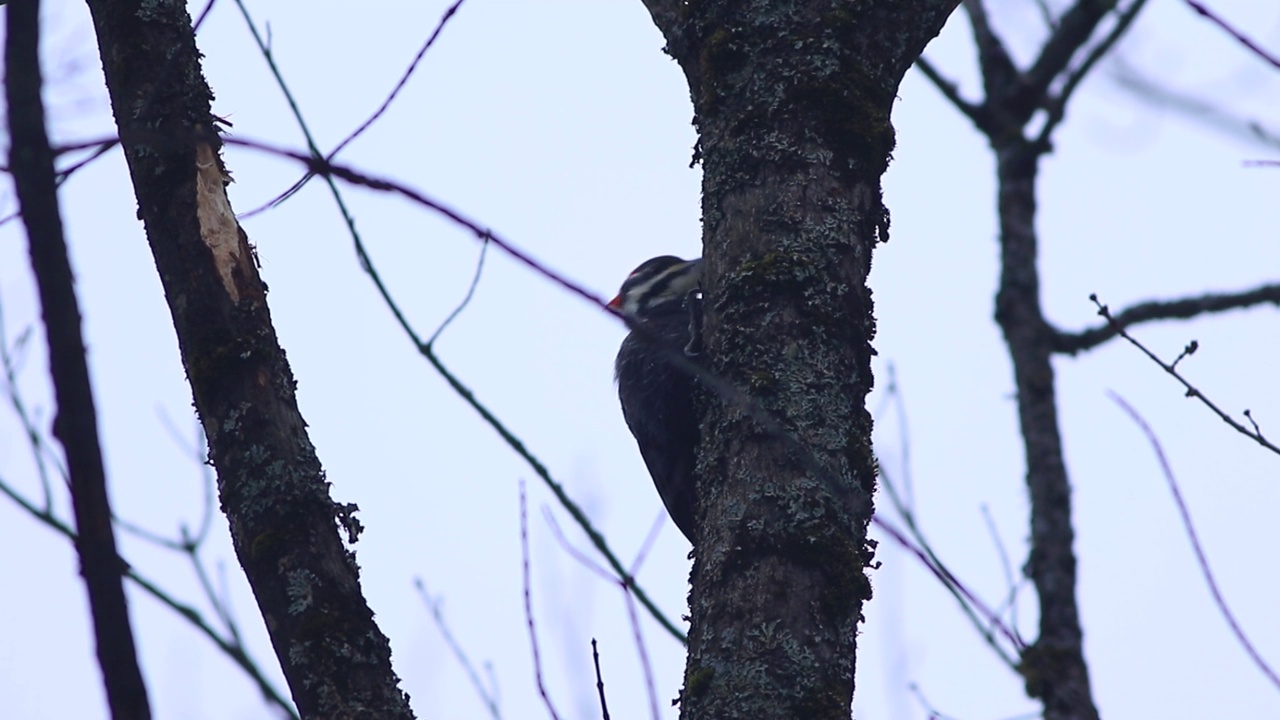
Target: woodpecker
[[663, 304]]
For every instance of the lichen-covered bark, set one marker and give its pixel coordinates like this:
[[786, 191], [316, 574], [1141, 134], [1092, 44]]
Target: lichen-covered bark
[[792, 104], [271, 485]]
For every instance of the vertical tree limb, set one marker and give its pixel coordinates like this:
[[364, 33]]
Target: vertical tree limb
[[270, 482], [76, 423], [1053, 666]]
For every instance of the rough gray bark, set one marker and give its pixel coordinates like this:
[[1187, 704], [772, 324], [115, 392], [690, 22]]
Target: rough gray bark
[[792, 103], [76, 422], [270, 482]]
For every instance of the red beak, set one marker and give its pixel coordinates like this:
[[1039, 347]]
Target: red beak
[[616, 302]]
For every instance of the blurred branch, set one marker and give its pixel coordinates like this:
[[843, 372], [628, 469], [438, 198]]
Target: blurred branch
[[1056, 105], [1180, 309], [230, 647], [984, 620], [14, 395], [488, 696], [1192, 391], [987, 622], [1201, 560], [100, 149], [76, 424], [1072, 33], [1203, 111], [1011, 599], [318, 165], [627, 585], [999, 74], [528, 603], [189, 545], [975, 112]]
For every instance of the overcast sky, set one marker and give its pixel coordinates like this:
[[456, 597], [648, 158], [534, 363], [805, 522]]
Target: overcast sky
[[564, 127]]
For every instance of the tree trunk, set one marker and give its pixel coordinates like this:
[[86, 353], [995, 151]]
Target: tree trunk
[[792, 104], [270, 482]]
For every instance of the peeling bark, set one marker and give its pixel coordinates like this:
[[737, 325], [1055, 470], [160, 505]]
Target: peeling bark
[[270, 482]]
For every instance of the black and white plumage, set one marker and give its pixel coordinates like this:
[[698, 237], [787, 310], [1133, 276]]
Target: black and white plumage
[[662, 300]]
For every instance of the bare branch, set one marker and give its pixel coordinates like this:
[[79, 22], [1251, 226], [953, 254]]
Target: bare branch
[[1056, 105], [595, 657], [1181, 309], [1206, 112], [395, 91], [488, 697], [999, 75], [528, 603], [1075, 27], [977, 113], [1192, 391], [76, 423], [969, 602], [316, 164], [1201, 560], [1239, 36]]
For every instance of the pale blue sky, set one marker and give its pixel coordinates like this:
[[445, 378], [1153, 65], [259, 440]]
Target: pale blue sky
[[563, 126]]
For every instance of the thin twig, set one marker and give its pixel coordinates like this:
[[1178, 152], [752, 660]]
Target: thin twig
[[974, 111], [466, 299], [528, 603], [726, 391], [1201, 560], [328, 170], [34, 439], [1206, 112], [386, 103], [203, 14], [641, 650], [626, 585], [102, 146], [1151, 310], [1012, 598], [595, 657], [230, 649], [1239, 36], [437, 614], [904, 439], [984, 619], [646, 665], [1056, 105], [199, 455], [1191, 390]]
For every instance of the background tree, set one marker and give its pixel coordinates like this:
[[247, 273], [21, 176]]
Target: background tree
[[507, 360]]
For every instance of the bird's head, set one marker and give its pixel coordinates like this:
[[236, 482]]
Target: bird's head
[[658, 285]]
